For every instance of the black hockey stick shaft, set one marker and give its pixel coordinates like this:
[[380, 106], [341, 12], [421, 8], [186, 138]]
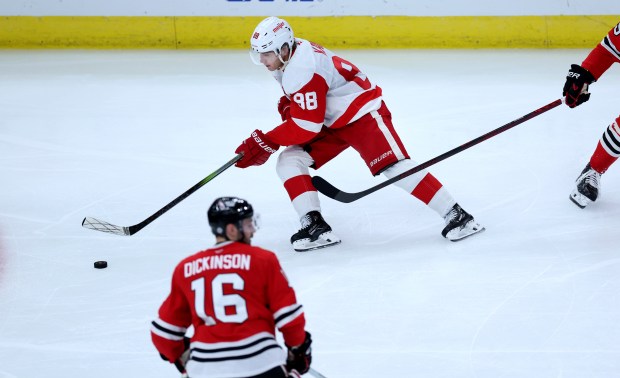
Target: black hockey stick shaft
[[95, 224], [183, 196], [331, 191], [180, 367]]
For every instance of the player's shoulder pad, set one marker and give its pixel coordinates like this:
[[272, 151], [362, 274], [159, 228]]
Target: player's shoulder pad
[[301, 69]]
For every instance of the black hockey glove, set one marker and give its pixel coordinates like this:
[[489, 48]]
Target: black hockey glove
[[576, 86], [300, 357], [177, 364]]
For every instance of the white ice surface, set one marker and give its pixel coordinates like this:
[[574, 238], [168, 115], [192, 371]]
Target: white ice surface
[[118, 134]]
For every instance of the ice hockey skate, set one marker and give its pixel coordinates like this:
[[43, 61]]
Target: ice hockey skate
[[315, 233], [460, 224], [587, 186]]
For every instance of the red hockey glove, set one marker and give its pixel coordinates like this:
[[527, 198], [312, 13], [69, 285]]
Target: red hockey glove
[[180, 363], [256, 150], [300, 356], [576, 87], [284, 107]]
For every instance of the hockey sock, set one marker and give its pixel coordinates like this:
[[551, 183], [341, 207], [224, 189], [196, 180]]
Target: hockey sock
[[293, 170], [303, 195], [423, 186], [608, 149], [432, 193]]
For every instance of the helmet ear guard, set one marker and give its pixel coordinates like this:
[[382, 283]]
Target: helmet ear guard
[[271, 34]]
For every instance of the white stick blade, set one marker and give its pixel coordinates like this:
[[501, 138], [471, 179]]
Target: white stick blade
[[103, 226]]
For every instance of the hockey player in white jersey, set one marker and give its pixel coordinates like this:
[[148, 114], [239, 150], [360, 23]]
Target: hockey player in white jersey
[[328, 106]]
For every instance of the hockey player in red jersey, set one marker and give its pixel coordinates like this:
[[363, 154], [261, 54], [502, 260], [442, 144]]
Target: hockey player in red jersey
[[575, 91], [328, 106], [234, 295]]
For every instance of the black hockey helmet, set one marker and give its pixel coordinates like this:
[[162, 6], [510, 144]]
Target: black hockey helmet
[[226, 210]]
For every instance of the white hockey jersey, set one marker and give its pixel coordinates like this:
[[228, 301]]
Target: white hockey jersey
[[325, 90]]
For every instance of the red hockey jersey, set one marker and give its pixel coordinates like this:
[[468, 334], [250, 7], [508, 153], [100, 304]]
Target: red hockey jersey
[[324, 89], [234, 295], [604, 54]]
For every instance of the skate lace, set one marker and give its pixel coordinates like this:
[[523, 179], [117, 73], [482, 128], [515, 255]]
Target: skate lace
[[306, 221], [452, 215], [592, 178]]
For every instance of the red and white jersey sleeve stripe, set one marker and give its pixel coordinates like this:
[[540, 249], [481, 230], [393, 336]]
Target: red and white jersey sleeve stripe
[[604, 54], [167, 331]]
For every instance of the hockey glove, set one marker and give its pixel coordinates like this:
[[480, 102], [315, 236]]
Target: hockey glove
[[180, 363], [576, 86], [284, 107], [256, 150], [300, 356]]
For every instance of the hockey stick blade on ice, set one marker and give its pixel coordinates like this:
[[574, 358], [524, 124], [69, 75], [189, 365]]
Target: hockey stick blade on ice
[[331, 191], [103, 226]]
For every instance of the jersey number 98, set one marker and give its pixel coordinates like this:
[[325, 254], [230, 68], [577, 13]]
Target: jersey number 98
[[306, 101]]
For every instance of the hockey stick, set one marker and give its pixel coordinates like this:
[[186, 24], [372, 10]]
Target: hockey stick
[[99, 225], [315, 373], [332, 192]]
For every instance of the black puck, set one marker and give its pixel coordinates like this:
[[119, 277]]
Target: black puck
[[101, 264]]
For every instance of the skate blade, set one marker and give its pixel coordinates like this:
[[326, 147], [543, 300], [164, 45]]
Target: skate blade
[[465, 232], [580, 200], [325, 240], [312, 248]]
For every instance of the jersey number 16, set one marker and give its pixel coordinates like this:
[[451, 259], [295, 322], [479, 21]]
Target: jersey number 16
[[220, 300]]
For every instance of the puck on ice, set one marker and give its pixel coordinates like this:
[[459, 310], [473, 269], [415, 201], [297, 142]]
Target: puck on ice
[[101, 264]]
